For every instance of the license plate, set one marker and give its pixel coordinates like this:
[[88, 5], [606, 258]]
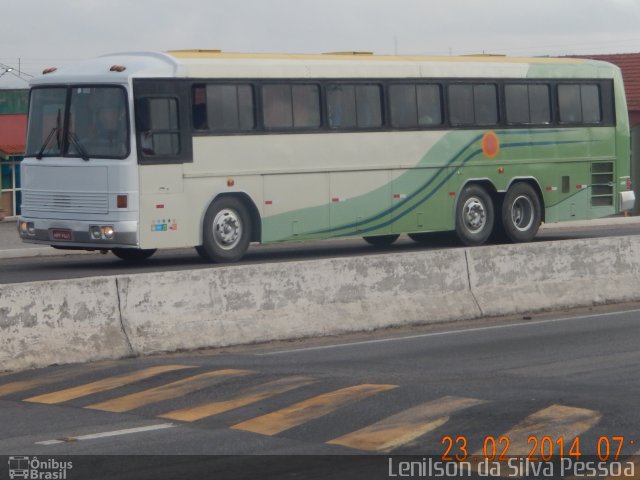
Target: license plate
[[58, 234]]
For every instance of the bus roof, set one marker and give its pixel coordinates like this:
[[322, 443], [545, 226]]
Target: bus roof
[[218, 64]]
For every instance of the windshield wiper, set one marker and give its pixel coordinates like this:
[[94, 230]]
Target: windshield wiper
[[76, 143], [55, 129], [46, 143]]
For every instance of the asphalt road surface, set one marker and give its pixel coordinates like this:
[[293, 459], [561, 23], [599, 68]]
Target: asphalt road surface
[[432, 390]]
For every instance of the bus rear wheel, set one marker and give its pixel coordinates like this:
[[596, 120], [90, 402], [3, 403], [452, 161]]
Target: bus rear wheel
[[133, 254], [521, 213], [227, 230], [381, 240], [474, 215]]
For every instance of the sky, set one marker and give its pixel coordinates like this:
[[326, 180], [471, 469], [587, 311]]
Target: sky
[[36, 34]]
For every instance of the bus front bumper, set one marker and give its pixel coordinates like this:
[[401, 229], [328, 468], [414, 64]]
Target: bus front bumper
[[81, 235]]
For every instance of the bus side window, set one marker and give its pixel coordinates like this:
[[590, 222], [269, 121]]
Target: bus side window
[[200, 107], [158, 126], [354, 106]]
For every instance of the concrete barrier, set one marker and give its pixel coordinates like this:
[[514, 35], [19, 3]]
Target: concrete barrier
[[507, 279], [97, 318], [67, 321], [254, 303]]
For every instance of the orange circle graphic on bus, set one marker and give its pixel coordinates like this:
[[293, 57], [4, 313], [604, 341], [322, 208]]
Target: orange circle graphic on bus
[[490, 145]]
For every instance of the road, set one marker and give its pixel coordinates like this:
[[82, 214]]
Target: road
[[17, 270], [416, 391]]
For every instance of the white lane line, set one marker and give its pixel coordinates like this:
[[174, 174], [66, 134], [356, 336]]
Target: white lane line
[[450, 332], [114, 433]]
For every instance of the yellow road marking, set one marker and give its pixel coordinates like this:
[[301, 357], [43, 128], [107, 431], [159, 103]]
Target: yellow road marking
[[289, 417], [22, 385], [48, 378], [247, 397], [103, 385], [554, 422], [165, 392], [396, 430]]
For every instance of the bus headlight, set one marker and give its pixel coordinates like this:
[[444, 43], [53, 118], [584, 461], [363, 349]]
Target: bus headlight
[[101, 232], [27, 228], [108, 232]]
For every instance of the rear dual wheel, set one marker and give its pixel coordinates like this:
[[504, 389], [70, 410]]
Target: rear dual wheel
[[521, 213], [474, 215]]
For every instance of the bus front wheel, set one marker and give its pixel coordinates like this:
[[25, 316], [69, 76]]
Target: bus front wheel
[[227, 230], [521, 213], [474, 215]]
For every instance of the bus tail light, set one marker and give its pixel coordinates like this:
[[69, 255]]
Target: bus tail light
[[628, 184], [122, 201]]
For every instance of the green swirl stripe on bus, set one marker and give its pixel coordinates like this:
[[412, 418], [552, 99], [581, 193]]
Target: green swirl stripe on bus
[[424, 193]]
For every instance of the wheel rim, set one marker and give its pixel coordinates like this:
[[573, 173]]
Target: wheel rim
[[522, 213], [474, 214], [227, 229]]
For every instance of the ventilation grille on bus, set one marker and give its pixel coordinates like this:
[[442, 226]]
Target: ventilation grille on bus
[[65, 202], [602, 184]]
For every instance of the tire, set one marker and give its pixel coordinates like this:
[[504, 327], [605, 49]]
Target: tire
[[381, 240], [474, 215], [521, 213], [201, 252], [133, 254], [226, 230]]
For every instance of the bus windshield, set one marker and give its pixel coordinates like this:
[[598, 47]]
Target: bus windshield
[[80, 121]]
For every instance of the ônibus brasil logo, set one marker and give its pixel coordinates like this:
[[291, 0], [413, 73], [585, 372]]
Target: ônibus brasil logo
[[36, 469]]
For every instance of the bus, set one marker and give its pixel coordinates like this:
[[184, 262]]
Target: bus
[[134, 152]]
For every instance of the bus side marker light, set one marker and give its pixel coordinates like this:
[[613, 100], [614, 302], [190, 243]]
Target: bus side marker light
[[551, 189], [122, 201], [230, 182], [49, 70], [117, 68], [160, 205], [580, 187], [501, 170]]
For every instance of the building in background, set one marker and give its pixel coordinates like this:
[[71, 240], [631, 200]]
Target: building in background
[[13, 130]]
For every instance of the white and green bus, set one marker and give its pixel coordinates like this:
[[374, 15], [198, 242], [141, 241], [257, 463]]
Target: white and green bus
[[139, 151]]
